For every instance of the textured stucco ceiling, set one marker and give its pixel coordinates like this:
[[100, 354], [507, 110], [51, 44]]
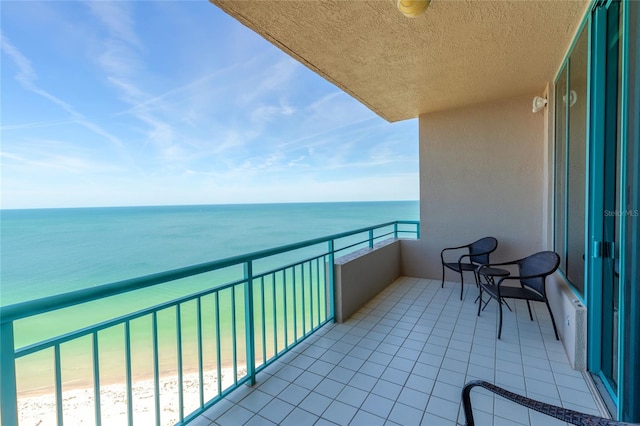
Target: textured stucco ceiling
[[458, 53]]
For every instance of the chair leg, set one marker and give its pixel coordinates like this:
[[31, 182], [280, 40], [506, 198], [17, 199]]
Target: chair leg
[[442, 286], [461, 283], [500, 323], [480, 303], [529, 307], [555, 330]]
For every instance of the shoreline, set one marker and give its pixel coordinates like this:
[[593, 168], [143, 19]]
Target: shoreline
[[79, 403], [82, 384]]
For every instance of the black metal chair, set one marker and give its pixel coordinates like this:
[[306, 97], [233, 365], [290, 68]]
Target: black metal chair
[[563, 414], [532, 273], [477, 254]]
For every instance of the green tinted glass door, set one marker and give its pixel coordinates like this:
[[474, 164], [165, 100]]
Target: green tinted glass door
[[606, 192], [612, 212]]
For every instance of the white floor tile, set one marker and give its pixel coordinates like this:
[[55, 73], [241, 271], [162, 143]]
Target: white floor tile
[[403, 360], [256, 400], [387, 389], [234, 416], [377, 405], [352, 396], [363, 418], [294, 394], [443, 408], [299, 417], [277, 410], [329, 388], [315, 403], [405, 415], [339, 413]]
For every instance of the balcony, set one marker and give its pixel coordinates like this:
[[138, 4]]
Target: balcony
[[403, 359], [401, 355]]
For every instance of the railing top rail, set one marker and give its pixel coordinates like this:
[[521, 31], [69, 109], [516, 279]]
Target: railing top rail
[[59, 301]]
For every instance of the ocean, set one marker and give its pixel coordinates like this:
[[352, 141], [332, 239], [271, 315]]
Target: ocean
[[53, 251]]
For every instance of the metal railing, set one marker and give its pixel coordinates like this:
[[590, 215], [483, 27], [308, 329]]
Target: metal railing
[[256, 309]]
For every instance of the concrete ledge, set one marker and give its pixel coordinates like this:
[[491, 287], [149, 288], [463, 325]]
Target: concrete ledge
[[363, 274], [571, 319]]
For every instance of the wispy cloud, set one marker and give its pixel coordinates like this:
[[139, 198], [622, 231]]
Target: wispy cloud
[[273, 78], [27, 77], [117, 18], [194, 107], [69, 163]]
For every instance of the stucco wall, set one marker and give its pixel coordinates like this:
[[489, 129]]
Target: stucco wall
[[481, 173], [364, 274]]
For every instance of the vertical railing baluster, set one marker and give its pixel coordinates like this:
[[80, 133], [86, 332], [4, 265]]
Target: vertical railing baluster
[[156, 367], [284, 297], [233, 333], [264, 320], [217, 321], [179, 354], [311, 295], [370, 238], [418, 230], [8, 388], [318, 279], [127, 363], [303, 309], [250, 322], [275, 315], [58, 379], [200, 357], [96, 378], [325, 277], [331, 280], [295, 305], [395, 230]]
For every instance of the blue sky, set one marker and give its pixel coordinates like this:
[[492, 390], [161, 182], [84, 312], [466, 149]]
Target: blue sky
[[114, 103]]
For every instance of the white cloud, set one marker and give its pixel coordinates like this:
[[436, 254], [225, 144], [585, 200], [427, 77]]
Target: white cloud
[[231, 121], [27, 78], [117, 18]]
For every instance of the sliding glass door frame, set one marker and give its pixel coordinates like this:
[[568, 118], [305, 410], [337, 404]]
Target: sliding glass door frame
[[604, 254]]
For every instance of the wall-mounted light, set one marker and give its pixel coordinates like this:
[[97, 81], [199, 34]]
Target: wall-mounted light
[[573, 98], [412, 8], [539, 103]]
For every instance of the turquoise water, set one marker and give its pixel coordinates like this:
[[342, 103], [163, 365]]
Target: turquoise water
[[52, 251]]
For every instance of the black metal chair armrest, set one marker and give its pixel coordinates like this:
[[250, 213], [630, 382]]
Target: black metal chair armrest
[[456, 248], [563, 414], [452, 248], [522, 277], [491, 265]]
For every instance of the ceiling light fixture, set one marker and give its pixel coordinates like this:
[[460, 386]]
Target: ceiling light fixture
[[412, 8]]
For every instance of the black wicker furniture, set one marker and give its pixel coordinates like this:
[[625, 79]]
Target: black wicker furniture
[[563, 414], [477, 253], [532, 273]]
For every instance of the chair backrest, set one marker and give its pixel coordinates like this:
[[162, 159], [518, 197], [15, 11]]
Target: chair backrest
[[484, 245], [540, 265]]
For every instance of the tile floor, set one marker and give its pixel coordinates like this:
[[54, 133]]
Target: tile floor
[[404, 358]]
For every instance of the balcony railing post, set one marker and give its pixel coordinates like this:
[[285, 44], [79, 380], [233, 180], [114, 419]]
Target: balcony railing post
[[8, 389], [250, 322], [370, 238], [331, 280], [395, 230], [418, 230]]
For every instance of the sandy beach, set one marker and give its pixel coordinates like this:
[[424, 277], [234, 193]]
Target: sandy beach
[[79, 404]]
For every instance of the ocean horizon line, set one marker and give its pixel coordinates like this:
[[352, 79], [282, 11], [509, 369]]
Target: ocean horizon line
[[279, 203]]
